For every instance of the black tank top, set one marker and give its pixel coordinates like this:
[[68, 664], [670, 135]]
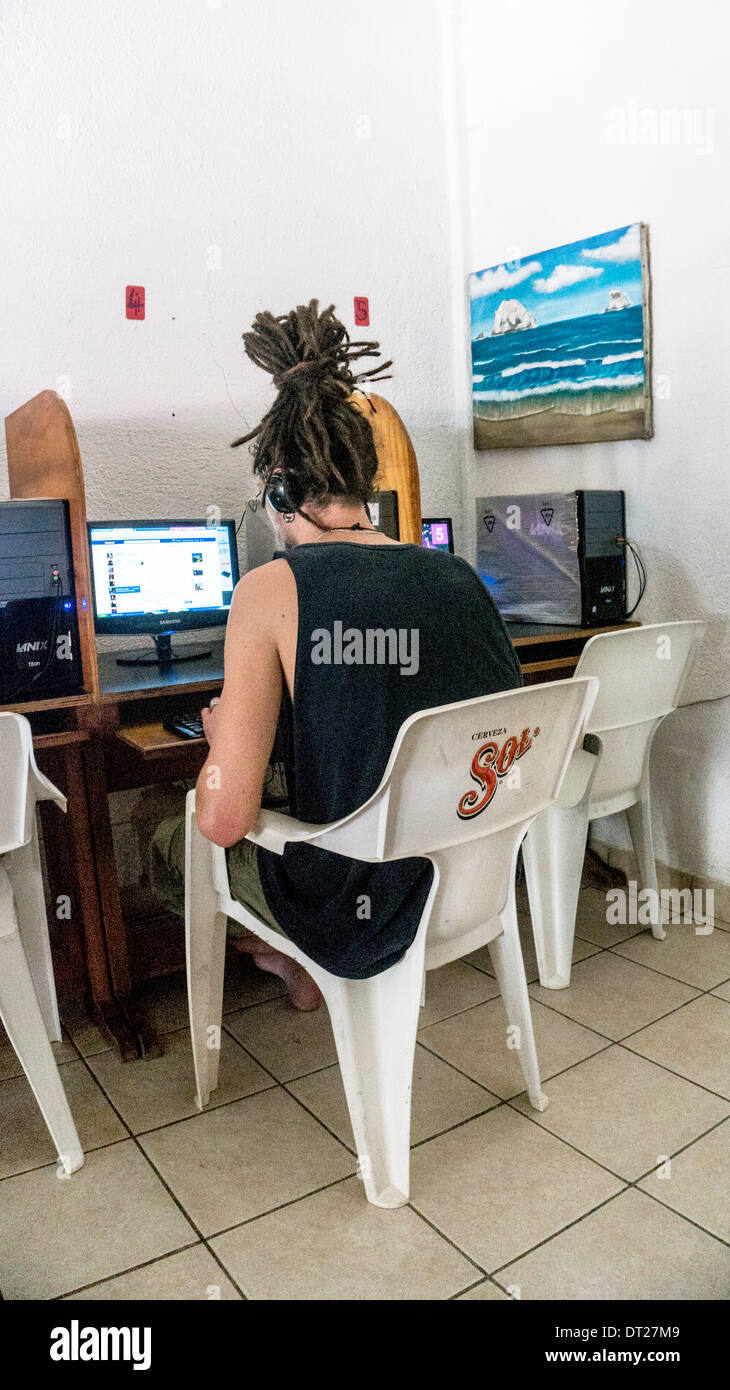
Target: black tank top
[[384, 631]]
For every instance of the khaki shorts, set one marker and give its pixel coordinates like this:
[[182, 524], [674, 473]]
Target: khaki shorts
[[166, 859]]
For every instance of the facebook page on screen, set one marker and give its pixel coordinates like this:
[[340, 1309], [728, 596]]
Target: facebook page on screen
[[161, 570]]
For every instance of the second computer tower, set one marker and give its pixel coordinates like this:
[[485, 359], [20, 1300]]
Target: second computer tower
[[554, 557], [601, 520]]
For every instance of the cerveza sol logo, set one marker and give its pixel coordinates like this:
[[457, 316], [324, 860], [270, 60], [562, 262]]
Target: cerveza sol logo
[[77, 1343], [490, 763]]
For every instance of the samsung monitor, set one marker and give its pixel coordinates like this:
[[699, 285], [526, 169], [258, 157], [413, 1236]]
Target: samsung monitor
[[437, 533], [161, 577]]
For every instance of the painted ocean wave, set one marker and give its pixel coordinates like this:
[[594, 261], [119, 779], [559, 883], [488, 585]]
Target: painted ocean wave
[[624, 382], [597, 347], [570, 374], [540, 366], [577, 366]]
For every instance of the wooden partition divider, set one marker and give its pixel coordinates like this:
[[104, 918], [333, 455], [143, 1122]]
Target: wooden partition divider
[[397, 466]]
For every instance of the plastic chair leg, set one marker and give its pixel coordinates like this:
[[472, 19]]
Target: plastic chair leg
[[553, 852], [506, 955], [374, 1022], [25, 1026], [24, 871], [639, 819], [205, 955]]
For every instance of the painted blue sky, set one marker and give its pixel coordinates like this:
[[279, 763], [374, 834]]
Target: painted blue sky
[[564, 283]]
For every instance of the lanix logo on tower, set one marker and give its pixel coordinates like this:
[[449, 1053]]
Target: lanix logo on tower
[[490, 764]]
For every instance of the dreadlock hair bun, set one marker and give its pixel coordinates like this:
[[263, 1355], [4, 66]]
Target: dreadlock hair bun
[[322, 444]]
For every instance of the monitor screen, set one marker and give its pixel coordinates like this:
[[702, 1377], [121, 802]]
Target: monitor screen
[[157, 576], [437, 533]]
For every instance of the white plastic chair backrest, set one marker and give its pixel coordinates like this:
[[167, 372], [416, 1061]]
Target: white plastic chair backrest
[[462, 771], [22, 784], [641, 673]]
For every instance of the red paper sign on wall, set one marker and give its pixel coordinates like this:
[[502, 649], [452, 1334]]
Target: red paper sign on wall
[[362, 311], [134, 300]]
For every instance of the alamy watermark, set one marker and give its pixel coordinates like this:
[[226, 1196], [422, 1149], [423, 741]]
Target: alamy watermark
[[80, 1343], [632, 124], [375, 646], [643, 907]]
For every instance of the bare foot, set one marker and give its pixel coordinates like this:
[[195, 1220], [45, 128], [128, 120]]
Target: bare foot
[[303, 993]]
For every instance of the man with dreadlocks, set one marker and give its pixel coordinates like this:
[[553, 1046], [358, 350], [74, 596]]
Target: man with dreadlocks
[[338, 707]]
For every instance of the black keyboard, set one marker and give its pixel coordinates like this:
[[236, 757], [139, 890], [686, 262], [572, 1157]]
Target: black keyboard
[[186, 725]]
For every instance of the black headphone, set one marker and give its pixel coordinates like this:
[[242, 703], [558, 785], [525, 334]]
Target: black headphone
[[280, 495]]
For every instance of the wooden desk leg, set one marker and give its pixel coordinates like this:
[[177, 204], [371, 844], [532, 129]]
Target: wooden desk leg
[[69, 840], [147, 1042]]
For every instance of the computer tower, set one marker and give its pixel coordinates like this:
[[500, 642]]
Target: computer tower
[[601, 518], [40, 655], [554, 557]]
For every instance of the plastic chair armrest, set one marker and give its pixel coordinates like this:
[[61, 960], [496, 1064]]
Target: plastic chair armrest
[[274, 831]]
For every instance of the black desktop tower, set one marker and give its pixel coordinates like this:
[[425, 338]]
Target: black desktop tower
[[40, 655], [601, 518], [554, 557]]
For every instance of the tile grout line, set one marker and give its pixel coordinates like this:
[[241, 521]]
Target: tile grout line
[[664, 1066], [683, 1215]]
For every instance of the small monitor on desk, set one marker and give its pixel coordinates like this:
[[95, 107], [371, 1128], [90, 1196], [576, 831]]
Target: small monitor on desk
[[161, 577], [437, 533]]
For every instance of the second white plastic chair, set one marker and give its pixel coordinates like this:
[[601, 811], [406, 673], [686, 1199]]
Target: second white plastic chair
[[28, 1006], [641, 673], [462, 785]]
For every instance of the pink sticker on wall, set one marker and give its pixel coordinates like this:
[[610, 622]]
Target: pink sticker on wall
[[134, 300], [362, 311]]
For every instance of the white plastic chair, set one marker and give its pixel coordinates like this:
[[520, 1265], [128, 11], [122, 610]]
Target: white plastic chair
[[641, 672], [28, 1006], [427, 804]]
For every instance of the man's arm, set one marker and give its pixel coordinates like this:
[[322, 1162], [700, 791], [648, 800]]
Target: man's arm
[[240, 728]]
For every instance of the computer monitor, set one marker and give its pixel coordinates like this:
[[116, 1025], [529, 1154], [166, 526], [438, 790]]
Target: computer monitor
[[161, 577], [437, 533], [383, 512]]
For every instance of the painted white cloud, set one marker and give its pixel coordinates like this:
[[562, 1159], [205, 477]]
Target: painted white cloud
[[564, 275], [493, 281], [627, 248]]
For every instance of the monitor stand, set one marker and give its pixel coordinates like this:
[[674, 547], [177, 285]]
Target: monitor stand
[[164, 655]]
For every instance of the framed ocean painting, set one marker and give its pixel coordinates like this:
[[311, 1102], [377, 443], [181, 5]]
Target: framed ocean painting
[[561, 344]]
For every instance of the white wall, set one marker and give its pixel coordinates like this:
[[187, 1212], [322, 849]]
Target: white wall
[[541, 86], [303, 141]]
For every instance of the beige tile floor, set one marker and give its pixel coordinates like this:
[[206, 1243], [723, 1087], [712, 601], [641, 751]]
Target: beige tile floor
[[615, 1191]]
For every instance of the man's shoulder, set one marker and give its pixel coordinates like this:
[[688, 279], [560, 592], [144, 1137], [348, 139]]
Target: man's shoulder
[[263, 587]]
